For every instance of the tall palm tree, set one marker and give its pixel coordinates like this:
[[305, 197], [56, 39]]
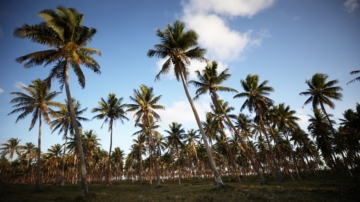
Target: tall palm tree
[[62, 122], [37, 101], [322, 92], [210, 81], [257, 101], [179, 47], [67, 38], [90, 142], [145, 104], [175, 136], [110, 110], [357, 78], [10, 148]]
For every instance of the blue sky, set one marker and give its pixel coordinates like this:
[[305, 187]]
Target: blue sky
[[283, 41]]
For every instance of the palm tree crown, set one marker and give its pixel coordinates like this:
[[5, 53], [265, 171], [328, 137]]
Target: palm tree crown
[[175, 44]]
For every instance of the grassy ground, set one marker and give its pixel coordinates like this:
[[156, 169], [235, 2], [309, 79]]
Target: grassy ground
[[324, 187]]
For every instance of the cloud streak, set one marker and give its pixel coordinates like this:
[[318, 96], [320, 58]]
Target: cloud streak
[[351, 5], [1, 90]]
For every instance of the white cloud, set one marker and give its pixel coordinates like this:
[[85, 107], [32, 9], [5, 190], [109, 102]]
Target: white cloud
[[19, 84], [209, 19], [1, 90], [181, 111], [230, 8], [304, 118], [351, 5]]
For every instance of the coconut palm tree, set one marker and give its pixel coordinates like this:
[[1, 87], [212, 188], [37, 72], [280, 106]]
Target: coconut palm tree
[[357, 78], [145, 104], [174, 139], [26, 152], [210, 81], [37, 101], [91, 142], [53, 155], [257, 101], [110, 110], [179, 47], [139, 149], [319, 128], [67, 38], [118, 159], [10, 148], [322, 92], [62, 123]]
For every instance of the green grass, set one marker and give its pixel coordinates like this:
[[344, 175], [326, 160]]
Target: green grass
[[324, 187]]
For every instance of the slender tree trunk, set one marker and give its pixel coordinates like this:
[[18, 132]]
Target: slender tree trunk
[[108, 176], [208, 151], [63, 163], [38, 180], [84, 186], [179, 171], [253, 163]]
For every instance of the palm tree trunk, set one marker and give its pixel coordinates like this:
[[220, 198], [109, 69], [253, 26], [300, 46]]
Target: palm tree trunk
[[84, 186], [179, 171], [38, 181], [253, 163], [63, 163], [108, 179], [208, 151]]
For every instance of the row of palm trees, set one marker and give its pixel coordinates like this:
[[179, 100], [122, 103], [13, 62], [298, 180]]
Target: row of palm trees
[[67, 38]]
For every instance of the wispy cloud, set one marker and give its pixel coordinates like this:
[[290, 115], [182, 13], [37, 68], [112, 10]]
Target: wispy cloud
[[19, 84], [181, 111], [210, 20], [1, 90], [296, 18], [351, 5]]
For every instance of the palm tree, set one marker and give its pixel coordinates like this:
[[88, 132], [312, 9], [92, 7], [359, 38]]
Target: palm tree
[[62, 123], [145, 104], [175, 136], [357, 78], [118, 159], [322, 92], [138, 149], [111, 110], [257, 101], [54, 154], [90, 142], [37, 100], [27, 150], [319, 127], [179, 47], [210, 81], [10, 147], [67, 39]]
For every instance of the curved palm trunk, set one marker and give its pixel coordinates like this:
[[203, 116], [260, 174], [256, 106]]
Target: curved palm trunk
[[253, 163], [84, 186], [63, 163], [38, 180], [208, 151], [337, 141], [108, 178]]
